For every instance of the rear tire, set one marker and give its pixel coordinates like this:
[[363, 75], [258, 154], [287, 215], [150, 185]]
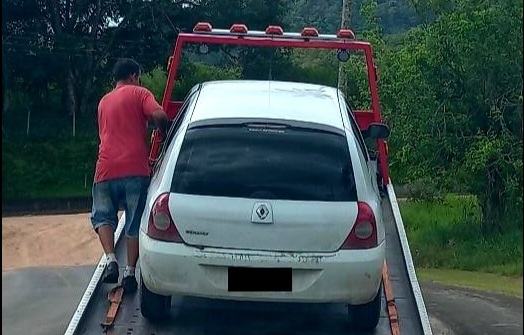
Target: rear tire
[[154, 307], [366, 316]]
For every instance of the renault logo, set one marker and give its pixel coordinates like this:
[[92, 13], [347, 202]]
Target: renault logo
[[262, 212]]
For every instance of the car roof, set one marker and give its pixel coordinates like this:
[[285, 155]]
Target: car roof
[[268, 100]]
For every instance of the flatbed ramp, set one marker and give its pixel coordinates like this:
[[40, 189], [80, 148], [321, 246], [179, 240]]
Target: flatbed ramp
[[196, 316]]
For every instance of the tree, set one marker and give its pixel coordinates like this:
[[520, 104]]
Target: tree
[[452, 93], [74, 43], [396, 16]]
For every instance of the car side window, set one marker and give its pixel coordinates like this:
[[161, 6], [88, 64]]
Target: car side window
[[175, 125], [358, 134]]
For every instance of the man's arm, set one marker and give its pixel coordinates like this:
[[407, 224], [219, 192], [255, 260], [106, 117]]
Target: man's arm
[[153, 111], [160, 119]]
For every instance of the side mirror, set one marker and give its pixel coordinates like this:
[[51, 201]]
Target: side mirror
[[376, 131]]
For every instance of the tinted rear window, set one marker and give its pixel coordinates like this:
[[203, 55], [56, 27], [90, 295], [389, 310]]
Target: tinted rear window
[[262, 163]]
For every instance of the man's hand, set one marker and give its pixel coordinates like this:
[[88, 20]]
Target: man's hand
[[161, 121]]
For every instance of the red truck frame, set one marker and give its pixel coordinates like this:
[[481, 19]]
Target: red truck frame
[[274, 36]]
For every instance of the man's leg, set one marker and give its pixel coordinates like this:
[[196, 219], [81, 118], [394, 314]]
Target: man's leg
[[132, 251], [135, 199], [104, 219], [106, 234]]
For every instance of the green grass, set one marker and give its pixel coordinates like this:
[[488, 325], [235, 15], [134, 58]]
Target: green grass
[[62, 191], [474, 280], [33, 169], [447, 235], [78, 187]]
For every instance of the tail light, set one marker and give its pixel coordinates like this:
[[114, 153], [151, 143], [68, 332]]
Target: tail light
[[364, 232], [161, 225]]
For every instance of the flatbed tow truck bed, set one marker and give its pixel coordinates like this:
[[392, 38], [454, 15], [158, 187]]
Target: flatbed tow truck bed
[[403, 310], [197, 316]]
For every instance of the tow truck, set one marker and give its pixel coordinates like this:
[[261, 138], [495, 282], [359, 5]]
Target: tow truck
[[105, 310]]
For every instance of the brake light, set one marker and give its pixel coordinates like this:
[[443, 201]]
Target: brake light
[[161, 225], [274, 30], [346, 33], [202, 26], [238, 29], [309, 32], [364, 232]]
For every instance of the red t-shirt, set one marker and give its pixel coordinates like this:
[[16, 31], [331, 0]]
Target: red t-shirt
[[122, 124]]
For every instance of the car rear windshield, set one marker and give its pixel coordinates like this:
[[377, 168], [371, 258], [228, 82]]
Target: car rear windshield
[[245, 161]]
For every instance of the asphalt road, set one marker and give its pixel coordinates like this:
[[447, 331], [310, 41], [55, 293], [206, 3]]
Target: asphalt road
[[469, 312], [40, 301]]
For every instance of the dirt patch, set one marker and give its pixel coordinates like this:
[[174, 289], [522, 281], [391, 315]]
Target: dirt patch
[[57, 240]]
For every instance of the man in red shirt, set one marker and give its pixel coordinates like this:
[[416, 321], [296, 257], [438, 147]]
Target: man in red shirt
[[122, 169]]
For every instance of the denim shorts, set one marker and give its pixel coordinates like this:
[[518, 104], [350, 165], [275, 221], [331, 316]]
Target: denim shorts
[[109, 195]]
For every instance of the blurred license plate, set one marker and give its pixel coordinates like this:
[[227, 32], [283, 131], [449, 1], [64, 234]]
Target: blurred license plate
[[246, 279]]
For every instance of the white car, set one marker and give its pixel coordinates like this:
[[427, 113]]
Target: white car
[[264, 192]]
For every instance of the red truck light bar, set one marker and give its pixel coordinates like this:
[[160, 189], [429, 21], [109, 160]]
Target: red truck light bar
[[240, 31], [274, 30]]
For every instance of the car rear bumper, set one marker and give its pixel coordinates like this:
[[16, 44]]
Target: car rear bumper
[[349, 276]]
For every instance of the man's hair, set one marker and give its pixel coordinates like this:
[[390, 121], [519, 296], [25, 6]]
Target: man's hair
[[126, 67]]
